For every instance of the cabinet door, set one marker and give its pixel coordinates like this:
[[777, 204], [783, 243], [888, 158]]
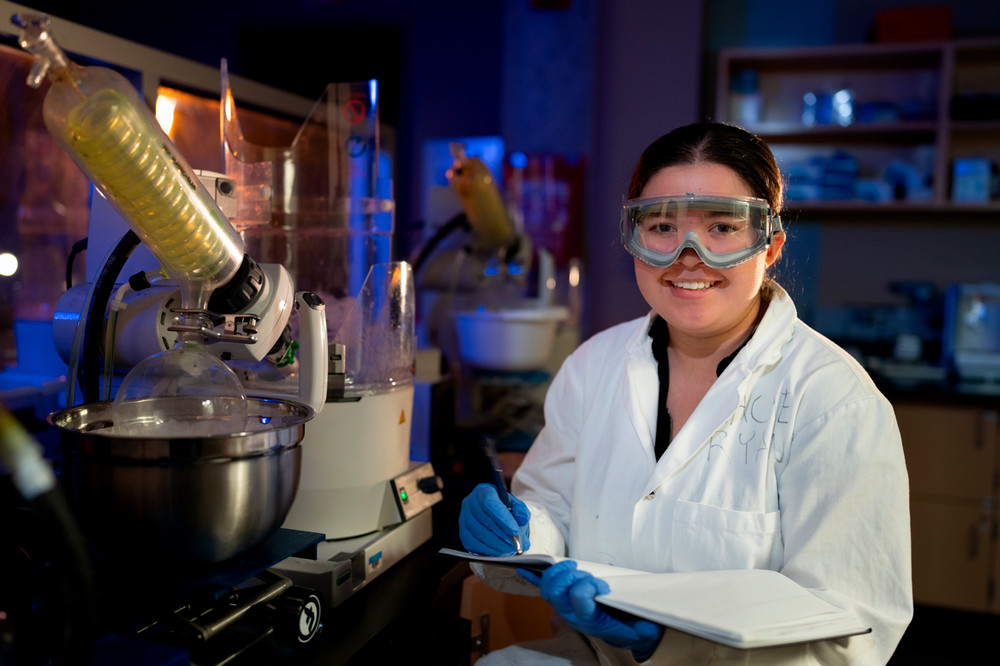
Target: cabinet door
[[949, 449], [951, 459], [953, 553]]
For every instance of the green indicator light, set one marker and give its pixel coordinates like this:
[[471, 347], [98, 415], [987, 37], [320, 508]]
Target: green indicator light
[[402, 494]]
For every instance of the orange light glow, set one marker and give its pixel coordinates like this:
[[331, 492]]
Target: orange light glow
[[165, 106]]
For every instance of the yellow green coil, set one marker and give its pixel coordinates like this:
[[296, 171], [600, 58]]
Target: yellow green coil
[[144, 179]]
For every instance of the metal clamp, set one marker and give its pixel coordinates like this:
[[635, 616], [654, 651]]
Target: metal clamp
[[203, 624], [337, 371], [239, 328]]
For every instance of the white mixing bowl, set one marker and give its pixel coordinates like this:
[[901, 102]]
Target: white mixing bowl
[[508, 339]]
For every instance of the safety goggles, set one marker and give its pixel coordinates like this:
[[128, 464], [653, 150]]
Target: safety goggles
[[723, 231]]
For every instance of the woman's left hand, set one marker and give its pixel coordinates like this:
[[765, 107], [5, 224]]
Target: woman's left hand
[[572, 593]]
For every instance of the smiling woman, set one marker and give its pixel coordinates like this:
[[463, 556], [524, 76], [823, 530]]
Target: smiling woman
[[716, 432], [701, 295]]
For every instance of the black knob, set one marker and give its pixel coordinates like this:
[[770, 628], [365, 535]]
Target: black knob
[[296, 616], [430, 484]]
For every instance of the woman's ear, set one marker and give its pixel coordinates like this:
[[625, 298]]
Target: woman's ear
[[774, 249]]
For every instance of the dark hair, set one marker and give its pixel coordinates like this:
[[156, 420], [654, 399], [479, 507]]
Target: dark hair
[[714, 143]]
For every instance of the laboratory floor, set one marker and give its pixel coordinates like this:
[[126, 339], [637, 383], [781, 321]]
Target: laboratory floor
[[949, 638]]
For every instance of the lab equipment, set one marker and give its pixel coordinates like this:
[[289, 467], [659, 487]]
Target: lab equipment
[[179, 408], [486, 267], [202, 502], [323, 207], [259, 339], [508, 339], [827, 108], [186, 498], [98, 118], [972, 179], [489, 296], [723, 231], [485, 209], [745, 98], [971, 341], [203, 395]]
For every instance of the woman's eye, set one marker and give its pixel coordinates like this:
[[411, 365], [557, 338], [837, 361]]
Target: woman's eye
[[661, 227], [729, 226]]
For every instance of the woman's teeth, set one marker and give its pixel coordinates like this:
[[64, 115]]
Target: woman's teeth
[[692, 285]]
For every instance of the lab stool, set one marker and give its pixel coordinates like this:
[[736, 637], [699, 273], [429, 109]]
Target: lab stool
[[498, 620]]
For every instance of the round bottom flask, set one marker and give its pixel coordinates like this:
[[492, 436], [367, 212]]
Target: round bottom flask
[[181, 392]]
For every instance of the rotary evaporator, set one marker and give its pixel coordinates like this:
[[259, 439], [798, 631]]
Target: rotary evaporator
[[185, 448], [182, 481]]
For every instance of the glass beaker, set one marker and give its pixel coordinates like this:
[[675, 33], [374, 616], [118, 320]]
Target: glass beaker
[[181, 392]]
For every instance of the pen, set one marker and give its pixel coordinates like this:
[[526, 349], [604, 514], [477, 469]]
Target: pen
[[500, 483]]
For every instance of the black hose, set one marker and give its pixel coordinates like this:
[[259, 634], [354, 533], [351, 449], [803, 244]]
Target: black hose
[[460, 221], [89, 377], [77, 248]]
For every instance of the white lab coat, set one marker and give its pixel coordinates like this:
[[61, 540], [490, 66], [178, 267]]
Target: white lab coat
[[792, 462]]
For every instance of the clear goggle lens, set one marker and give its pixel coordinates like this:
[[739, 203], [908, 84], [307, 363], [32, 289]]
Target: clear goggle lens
[[723, 231]]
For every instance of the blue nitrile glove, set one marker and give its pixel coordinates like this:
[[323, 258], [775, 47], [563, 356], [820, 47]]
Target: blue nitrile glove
[[487, 527], [571, 592]]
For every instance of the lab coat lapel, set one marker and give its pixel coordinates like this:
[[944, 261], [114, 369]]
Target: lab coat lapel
[[716, 408], [639, 382], [729, 392]]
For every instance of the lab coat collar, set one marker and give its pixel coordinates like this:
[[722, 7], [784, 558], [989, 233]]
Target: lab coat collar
[[779, 316], [773, 333], [763, 350]]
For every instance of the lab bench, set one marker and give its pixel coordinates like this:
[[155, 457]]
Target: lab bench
[[410, 611], [951, 440], [408, 614]]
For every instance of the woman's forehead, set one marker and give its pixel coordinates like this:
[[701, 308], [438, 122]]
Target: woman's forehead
[[704, 178]]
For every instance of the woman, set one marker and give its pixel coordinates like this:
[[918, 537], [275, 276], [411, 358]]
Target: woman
[[717, 432]]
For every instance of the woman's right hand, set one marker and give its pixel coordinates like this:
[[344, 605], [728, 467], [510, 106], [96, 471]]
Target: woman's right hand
[[487, 527]]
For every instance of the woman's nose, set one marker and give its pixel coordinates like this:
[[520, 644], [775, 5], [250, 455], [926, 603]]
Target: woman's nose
[[689, 258]]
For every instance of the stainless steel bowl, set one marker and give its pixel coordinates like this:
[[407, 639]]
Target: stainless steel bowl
[[201, 499]]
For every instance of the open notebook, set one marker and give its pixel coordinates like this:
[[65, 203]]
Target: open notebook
[[745, 608]]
